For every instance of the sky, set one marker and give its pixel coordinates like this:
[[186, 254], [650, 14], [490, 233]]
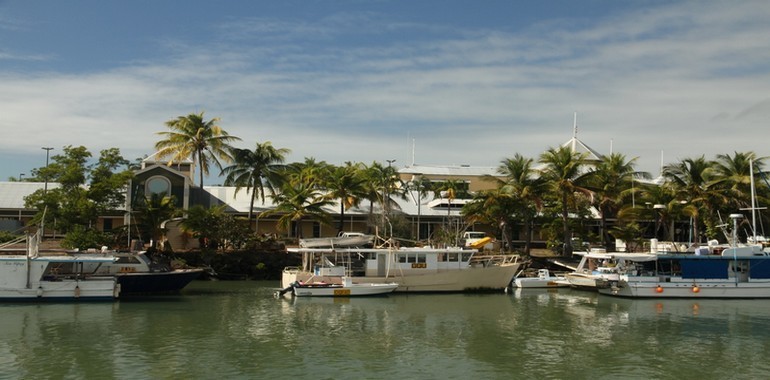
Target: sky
[[430, 82]]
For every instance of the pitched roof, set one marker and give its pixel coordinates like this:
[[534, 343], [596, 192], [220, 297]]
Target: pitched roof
[[12, 193]]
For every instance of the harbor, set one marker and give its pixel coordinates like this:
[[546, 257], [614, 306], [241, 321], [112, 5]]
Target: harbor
[[237, 329]]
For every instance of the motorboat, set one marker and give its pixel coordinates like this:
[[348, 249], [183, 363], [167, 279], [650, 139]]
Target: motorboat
[[599, 265], [735, 272], [36, 277], [419, 269], [346, 288], [543, 279], [343, 239], [138, 275]]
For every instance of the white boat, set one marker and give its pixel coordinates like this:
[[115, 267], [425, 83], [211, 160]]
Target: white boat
[[346, 288], [413, 269], [544, 279], [736, 272], [344, 239], [600, 265], [56, 277]]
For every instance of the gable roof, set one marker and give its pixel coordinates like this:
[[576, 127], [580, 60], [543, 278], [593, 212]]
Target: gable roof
[[12, 193]]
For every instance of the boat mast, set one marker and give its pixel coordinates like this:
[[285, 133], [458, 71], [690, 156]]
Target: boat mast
[[753, 202]]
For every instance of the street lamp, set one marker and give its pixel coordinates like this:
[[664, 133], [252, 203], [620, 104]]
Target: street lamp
[[21, 177], [387, 188], [47, 152], [45, 189]]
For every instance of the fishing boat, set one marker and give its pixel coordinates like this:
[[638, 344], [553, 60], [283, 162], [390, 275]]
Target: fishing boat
[[544, 279], [423, 269], [347, 288], [54, 277]]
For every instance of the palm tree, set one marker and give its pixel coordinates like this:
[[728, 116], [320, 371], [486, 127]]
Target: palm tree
[[495, 207], [422, 186], [152, 212], [381, 185], [521, 184], [255, 170], [732, 174], [347, 184], [611, 183], [563, 174], [192, 136], [690, 179], [296, 201]]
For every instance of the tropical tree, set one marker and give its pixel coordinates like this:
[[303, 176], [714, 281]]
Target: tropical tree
[[83, 192], [563, 173], [151, 213], [347, 184], [690, 179], [525, 188], [256, 170], [297, 200], [611, 182], [192, 136], [494, 207], [420, 186], [382, 185]]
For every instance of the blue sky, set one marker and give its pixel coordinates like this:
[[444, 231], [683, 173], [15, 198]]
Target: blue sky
[[463, 82]]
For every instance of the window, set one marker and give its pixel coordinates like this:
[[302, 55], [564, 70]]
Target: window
[[157, 185]]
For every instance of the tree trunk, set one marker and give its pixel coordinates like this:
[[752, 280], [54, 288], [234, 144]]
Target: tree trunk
[[565, 219]]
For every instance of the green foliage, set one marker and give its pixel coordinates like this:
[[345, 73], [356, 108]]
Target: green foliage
[[79, 193], [193, 136], [151, 212], [7, 236], [83, 238], [216, 229], [256, 170]]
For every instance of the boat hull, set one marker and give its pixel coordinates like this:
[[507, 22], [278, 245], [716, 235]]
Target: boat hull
[[534, 282], [472, 279], [156, 282], [53, 278], [687, 289], [337, 290]]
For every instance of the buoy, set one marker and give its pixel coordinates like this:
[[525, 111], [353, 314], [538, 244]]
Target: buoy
[[659, 289], [695, 289]]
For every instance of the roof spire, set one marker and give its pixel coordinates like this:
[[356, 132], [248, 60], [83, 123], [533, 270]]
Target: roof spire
[[574, 132]]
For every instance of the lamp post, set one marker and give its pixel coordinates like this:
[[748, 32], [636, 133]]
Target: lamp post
[[45, 188], [21, 177], [387, 187], [47, 153]]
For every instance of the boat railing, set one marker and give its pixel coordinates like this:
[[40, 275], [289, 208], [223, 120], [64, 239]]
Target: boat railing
[[494, 260]]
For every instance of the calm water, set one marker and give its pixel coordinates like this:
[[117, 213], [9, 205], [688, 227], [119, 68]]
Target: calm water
[[238, 330]]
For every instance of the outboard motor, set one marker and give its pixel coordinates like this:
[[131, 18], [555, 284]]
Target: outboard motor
[[289, 288]]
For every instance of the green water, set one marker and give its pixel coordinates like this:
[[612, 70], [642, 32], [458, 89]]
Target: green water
[[239, 330]]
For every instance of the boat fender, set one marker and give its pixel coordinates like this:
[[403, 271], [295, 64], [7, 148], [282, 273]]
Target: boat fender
[[695, 289], [659, 289], [77, 291], [39, 291]]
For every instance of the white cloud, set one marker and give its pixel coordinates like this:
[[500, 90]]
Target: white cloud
[[686, 79]]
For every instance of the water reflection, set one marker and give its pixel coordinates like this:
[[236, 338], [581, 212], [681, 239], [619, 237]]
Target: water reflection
[[239, 330]]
